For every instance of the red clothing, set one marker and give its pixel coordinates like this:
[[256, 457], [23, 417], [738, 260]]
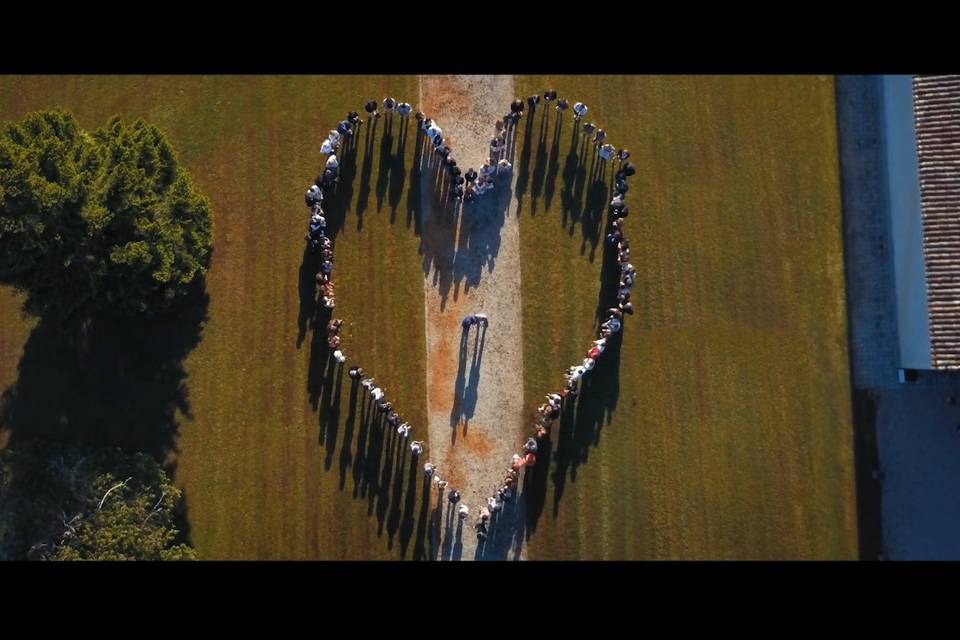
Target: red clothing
[[531, 460]]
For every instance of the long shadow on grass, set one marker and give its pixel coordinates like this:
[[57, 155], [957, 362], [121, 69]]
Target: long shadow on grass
[[107, 381], [585, 193], [373, 453], [379, 460], [375, 456]]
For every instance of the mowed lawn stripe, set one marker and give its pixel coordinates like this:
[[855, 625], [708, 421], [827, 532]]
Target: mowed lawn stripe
[[731, 435]]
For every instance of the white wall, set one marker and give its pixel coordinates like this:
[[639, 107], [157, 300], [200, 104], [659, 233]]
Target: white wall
[[907, 233]]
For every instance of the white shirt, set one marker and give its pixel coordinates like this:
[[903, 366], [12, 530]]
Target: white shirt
[[588, 363], [416, 447], [377, 393], [327, 147], [332, 162], [339, 356], [464, 511], [428, 468], [334, 137]]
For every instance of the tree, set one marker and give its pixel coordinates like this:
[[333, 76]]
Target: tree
[[60, 502], [101, 221]]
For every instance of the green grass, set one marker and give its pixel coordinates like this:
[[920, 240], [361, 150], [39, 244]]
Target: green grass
[[250, 461], [727, 432]]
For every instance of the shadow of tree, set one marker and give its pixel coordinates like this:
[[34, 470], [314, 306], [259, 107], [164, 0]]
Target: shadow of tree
[[107, 381]]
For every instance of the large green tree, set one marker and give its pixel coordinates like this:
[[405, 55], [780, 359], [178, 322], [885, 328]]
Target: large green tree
[[60, 502], [97, 221]]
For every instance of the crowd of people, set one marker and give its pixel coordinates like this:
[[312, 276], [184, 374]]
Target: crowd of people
[[549, 411], [317, 239], [467, 186]]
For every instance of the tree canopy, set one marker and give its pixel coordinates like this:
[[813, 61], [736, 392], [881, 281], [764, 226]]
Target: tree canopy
[[60, 502], [97, 221]]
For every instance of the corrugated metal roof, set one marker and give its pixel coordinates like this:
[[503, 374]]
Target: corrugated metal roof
[[936, 110]]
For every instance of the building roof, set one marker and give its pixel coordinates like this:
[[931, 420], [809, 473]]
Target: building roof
[[936, 108]]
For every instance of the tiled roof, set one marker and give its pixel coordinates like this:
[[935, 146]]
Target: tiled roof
[[936, 108]]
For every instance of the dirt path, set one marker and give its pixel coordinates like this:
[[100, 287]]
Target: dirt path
[[471, 265]]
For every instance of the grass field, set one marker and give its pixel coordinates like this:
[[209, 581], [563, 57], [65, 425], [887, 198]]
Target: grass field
[[254, 472], [722, 429]]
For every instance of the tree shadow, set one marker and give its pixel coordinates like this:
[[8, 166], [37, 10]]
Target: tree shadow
[[181, 514], [107, 381]]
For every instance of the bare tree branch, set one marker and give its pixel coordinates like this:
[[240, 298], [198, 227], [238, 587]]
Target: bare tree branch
[[116, 486], [156, 509]]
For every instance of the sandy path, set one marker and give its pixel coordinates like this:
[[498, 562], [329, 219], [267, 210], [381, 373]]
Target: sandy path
[[471, 265]]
